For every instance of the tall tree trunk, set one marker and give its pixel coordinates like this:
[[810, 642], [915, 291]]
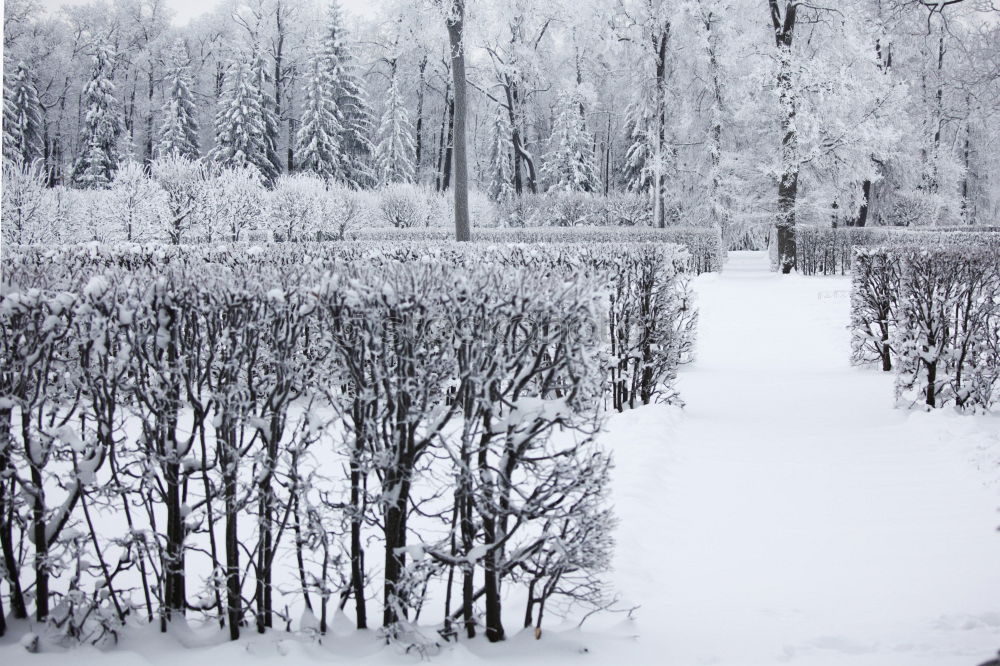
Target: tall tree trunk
[[149, 119], [419, 130], [456, 22], [443, 137], [788, 185], [660, 44], [866, 193], [449, 147]]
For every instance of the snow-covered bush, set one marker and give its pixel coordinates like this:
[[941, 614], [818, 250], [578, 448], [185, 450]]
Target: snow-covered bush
[[946, 336], [874, 291], [230, 203], [25, 211], [341, 209], [183, 181], [136, 205], [404, 206], [628, 209], [294, 207]]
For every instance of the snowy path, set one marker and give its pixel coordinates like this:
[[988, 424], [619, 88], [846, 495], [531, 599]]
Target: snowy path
[[793, 516]]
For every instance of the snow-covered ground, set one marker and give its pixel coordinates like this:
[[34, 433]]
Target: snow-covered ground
[[787, 515], [792, 515]]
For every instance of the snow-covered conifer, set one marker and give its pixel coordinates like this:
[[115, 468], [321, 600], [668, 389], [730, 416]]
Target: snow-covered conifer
[[569, 166], [351, 100], [22, 118], [637, 174], [271, 169], [102, 127], [501, 163], [395, 147], [318, 140], [179, 131], [240, 124]]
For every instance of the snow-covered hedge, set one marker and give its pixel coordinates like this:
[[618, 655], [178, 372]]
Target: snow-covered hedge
[[934, 311], [828, 251], [948, 327], [304, 405], [573, 209], [704, 245], [874, 290]]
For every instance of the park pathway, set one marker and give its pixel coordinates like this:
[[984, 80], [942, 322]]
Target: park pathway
[[790, 514]]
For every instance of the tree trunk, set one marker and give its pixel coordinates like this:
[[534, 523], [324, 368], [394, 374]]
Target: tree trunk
[[866, 193], [660, 43], [788, 185], [448, 147], [455, 38], [419, 130], [18, 608]]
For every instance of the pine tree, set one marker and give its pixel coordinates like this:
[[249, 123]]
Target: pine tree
[[570, 165], [102, 128], [263, 84], [501, 162], [179, 132], [351, 100], [22, 119], [637, 175], [240, 125], [395, 148], [318, 139]]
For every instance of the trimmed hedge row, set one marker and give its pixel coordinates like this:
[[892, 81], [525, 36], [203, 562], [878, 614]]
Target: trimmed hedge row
[[703, 244], [828, 251], [934, 313], [651, 318], [188, 394]]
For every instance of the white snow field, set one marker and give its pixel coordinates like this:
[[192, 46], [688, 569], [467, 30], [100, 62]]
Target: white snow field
[[787, 515]]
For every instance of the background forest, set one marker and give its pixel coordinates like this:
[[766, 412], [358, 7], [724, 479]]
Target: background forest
[[865, 112]]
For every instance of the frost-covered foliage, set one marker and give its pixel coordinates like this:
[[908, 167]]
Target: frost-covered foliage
[[183, 182], [933, 312], [433, 405], [300, 207], [26, 213], [103, 125], [403, 206], [231, 202], [136, 206]]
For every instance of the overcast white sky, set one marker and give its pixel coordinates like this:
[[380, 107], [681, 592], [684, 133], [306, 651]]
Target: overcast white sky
[[185, 10]]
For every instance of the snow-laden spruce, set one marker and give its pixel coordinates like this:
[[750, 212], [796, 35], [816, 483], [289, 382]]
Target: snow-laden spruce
[[103, 126]]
